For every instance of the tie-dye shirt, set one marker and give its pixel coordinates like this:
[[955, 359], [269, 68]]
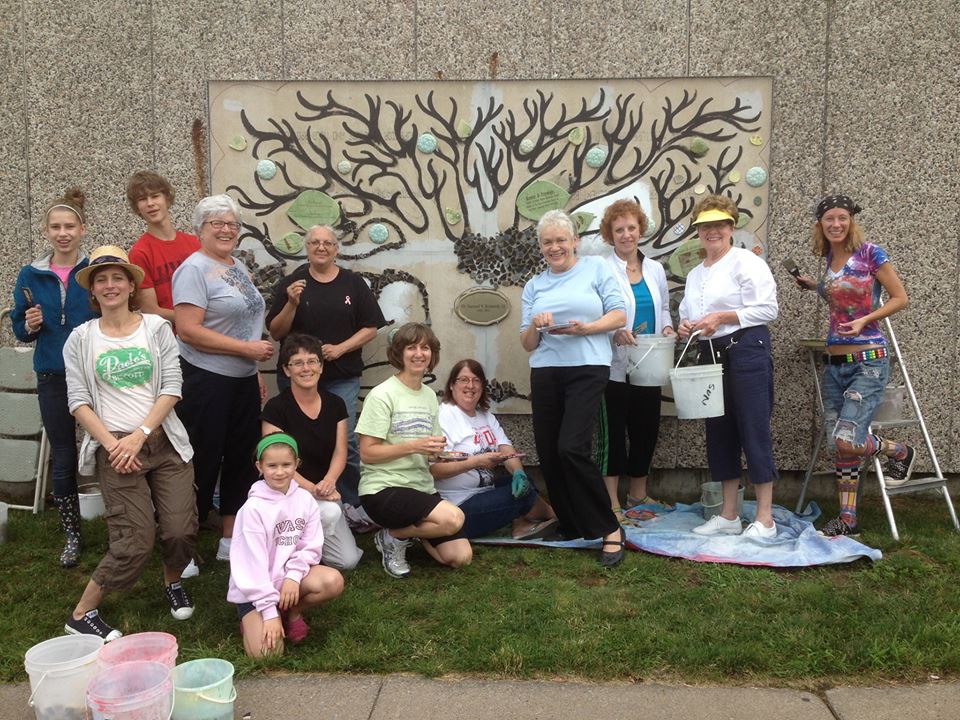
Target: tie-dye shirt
[[852, 293]]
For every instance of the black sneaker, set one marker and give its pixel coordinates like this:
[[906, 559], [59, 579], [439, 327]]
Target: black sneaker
[[91, 624], [838, 526], [898, 471], [181, 606]]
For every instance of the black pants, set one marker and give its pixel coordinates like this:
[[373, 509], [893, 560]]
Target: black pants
[[565, 402], [222, 417], [61, 432], [628, 411]]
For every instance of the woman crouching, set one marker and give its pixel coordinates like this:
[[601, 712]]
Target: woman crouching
[[398, 430]]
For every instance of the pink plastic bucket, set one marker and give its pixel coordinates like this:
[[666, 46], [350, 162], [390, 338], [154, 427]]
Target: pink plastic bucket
[[132, 691], [158, 647]]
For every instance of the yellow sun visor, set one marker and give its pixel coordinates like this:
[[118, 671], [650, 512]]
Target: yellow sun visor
[[712, 216]]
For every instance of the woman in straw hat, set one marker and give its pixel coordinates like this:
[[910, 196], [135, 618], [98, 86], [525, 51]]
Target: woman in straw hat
[[123, 380]]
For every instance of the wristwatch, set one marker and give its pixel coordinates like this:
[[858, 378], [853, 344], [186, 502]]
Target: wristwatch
[[145, 430]]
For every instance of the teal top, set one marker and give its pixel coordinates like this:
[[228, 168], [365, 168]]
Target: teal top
[[644, 318]]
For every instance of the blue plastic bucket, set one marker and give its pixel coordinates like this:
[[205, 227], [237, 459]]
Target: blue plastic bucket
[[203, 690]]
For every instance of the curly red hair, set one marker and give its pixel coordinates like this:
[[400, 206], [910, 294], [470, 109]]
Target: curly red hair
[[616, 211]]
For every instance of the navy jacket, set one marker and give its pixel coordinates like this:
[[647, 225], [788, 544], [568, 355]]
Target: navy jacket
[[63, 310]]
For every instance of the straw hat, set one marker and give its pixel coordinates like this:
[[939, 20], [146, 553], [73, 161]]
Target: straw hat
[[107, 255]]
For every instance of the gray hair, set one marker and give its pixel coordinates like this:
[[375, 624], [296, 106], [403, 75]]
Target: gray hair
[[214, 205], [328, 228], [557, 218]]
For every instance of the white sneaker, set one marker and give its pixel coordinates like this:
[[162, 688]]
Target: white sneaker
[[758, 529], [223, 549], [719, 525], [190, 571], [394, 553]]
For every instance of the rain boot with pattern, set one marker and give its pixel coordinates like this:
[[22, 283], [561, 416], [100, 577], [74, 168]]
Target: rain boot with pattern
[[69, 507]]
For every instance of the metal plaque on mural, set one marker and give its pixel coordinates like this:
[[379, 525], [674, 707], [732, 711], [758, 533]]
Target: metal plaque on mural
[[481, 306]]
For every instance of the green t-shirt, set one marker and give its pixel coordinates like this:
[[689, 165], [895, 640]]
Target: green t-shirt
[[395, 413]]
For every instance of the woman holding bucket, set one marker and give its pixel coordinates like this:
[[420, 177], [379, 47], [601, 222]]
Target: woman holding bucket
[[123, 379], [569, 313], [629, 409], [728, 301], [856, 366]]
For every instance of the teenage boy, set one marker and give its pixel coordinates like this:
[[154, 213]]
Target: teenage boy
[[161, 249]]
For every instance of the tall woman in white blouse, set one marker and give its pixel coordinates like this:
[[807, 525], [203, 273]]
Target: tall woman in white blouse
[[730, 297]]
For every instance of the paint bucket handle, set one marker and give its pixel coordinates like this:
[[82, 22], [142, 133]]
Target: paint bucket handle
[[39, 683], [233, 697], [713, 355], [643, 357]]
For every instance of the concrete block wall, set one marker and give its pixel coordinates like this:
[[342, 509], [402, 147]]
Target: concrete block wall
[[866, 101]]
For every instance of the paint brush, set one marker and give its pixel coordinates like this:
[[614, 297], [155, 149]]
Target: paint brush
[[790, 265]]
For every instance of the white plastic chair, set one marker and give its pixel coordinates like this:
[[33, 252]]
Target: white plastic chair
[[23, 440]]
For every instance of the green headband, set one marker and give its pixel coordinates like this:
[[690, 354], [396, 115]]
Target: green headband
[[276, 439]]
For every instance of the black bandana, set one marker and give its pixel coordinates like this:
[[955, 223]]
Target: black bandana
[[837, 201]]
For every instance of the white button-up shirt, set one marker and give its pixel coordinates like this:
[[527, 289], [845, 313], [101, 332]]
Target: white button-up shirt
[[739, 282]]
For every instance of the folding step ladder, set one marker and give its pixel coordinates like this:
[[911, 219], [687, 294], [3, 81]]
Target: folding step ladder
[[936, 481]]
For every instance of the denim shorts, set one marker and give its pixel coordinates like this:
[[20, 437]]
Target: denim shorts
[[851, 393]]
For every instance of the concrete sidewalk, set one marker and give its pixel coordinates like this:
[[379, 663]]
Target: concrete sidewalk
[[396, 697]]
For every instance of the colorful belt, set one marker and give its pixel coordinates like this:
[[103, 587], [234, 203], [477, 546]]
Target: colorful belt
[[872, 354]]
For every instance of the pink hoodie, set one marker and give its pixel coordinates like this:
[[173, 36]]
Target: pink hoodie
[[276, 536]]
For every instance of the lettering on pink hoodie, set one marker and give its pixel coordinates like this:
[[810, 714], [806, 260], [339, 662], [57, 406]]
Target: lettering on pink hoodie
[[276, 536]]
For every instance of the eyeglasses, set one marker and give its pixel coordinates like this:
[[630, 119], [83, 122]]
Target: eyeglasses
[[317, 243], [301, 364], [221, 224], [467, 381]]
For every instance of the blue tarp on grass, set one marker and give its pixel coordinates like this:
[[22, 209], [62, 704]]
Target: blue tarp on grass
[[669, 532]]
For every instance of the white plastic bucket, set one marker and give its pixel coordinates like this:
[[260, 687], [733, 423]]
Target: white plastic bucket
[[894, 405], [203, 690], [711, 495], [650, 360], [697, 390], [140, 690], [60, 670], [91, 501]]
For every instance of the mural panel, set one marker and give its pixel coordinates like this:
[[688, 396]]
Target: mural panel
[[435, 188]]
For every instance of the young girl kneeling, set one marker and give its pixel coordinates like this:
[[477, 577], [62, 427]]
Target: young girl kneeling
[[275, 571]]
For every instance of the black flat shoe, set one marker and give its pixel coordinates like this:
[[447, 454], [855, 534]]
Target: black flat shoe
[[612, 559]]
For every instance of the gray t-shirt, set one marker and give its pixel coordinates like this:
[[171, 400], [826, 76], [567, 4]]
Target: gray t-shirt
[[231, 306]]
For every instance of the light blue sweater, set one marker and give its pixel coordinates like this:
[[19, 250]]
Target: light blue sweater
[[585, 292]]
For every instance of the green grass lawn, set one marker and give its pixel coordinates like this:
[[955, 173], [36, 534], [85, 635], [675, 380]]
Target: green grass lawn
[[525, 613]]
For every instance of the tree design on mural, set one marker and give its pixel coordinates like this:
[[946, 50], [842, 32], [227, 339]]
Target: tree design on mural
[[419, 180], [371, 159]]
